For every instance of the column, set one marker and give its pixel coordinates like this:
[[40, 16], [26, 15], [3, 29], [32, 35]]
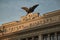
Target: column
[[55, 36], [32, 38], [40, 37], [26, 38], [19, 38], [48, 36]]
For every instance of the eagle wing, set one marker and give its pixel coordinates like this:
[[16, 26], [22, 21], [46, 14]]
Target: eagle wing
[[32, 8], [25, 8]]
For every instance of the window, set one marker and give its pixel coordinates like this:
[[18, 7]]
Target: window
[[12, 29], [30, 24], [30, 38], [52, 36], [23, 39], [58, 35], [47, 20], [36, 38], [40, 22], [45, 37]]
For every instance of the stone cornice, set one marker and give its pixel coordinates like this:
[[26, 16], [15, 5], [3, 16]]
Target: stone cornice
[[32, 23]]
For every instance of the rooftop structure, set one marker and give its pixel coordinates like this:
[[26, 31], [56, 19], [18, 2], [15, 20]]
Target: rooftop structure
[[29, 22]]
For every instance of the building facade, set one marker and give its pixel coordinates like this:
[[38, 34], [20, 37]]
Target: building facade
[[33, 27]]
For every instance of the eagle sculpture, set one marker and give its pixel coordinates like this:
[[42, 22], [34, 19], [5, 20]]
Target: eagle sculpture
[[31, 9]]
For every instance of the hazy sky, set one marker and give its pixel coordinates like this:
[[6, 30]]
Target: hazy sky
[[10, 10]]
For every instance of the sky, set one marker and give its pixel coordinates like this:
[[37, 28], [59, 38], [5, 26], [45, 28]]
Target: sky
[[10, 10]]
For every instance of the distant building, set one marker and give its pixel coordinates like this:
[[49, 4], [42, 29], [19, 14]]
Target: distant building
[[33, 27]]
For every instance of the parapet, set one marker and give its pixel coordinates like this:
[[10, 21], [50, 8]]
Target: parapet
[[10, 24], [53, 13], [30, 16]]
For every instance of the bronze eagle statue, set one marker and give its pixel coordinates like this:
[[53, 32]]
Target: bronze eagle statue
[[31, 9]]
